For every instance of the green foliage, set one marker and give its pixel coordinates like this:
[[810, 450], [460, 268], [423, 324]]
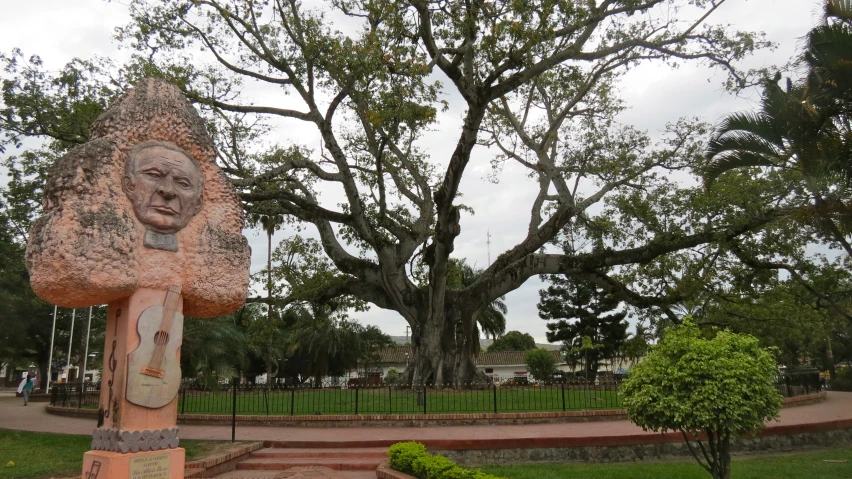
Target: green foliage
[[412, 458], [403, 454], [392, 376], [491, 319], [327, 345], [214, 349], [586, 319], [513, 341], [721, 386], [429, 466], [540, 363]]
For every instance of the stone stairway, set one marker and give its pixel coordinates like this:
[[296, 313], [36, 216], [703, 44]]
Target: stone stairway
[[290, 460], [338, 459]]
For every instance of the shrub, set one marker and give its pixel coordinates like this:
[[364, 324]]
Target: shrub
[[403, 454], [412, 458], [431, 467], [722, 387], [457, 472]]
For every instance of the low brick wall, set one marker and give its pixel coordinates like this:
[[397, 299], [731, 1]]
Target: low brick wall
[[653, 448], [219, 463], [407, 420], [410, 420], [385, 472]]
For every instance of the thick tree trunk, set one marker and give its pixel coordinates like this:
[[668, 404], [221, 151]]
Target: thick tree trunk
[[444, 352]]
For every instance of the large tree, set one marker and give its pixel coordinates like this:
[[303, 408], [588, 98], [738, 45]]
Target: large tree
[[528, 75], [536, 83]]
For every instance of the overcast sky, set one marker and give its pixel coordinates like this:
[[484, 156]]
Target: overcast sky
[[58, 30]]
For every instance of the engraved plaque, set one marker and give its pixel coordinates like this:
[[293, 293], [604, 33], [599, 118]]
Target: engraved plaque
[[150, 466]]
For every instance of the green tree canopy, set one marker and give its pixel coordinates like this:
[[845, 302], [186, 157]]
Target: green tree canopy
[[513, 341], [540, 363], [577, 309], [722, 386]]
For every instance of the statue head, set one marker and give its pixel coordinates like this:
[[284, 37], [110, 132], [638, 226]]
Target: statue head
[[164, 184]]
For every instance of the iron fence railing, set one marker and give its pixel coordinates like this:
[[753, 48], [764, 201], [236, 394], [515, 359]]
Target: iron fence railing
[[362, 397], [293, 400], [79, 395]]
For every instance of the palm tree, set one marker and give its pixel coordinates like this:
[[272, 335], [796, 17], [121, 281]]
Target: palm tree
[[790, 133], [213, 348], [491, 319], [269, 223], [329, 345], [828, 58]]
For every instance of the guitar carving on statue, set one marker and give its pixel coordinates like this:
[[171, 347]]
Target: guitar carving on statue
[[153, 368]]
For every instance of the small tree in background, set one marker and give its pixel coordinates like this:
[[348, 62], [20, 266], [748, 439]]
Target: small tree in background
[[540, 363], [586, 319], [722, 387], [392, 376], [513, 341]]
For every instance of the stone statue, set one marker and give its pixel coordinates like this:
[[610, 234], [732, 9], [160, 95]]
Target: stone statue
[[110, 227], [142, 218], [165, 186]]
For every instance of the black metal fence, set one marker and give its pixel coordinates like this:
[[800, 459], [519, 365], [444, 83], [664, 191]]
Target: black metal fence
[[397, 399], [799, 383], [80, 395], [335, 397]]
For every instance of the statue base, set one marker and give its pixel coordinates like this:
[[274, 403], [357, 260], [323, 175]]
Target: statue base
[[132, 441], [165, 464]]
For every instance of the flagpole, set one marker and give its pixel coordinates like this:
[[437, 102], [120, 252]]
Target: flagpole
[[86, 354], [70, 342], [50, 356]]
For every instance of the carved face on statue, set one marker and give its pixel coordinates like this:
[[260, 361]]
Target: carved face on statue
[[165, 186]]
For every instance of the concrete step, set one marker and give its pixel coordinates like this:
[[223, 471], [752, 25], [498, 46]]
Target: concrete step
[[314, 452], [337, 464], [338, 445]]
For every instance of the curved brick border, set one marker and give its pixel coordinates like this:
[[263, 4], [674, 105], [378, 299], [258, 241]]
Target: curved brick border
[[407, 420], [385, 472], [220, 463]]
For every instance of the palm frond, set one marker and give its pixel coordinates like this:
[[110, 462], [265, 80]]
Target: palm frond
[[732, 160], [759, 124], [743, 141]]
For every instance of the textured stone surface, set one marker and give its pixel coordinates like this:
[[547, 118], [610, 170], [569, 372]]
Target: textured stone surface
[[87, 247], [645, 452]]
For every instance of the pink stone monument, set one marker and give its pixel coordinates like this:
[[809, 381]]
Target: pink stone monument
[[141, 217]]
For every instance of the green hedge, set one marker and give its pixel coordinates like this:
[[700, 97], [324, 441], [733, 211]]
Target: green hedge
[[412, 458]]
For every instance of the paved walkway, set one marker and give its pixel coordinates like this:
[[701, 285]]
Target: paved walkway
[[13, 415]]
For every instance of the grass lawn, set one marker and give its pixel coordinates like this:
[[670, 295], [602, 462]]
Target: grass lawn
[[42, 455], [832, 464], [395, 401]]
